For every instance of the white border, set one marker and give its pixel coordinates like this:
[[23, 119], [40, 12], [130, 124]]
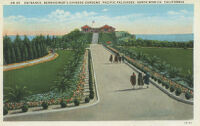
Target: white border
[[196, 120]]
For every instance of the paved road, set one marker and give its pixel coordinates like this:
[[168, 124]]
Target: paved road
[[117, 99], [29, 62]]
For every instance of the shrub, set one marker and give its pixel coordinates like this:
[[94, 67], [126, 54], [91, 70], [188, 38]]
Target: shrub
[[164, 83], [155, 79], [188, 95], [25, 108], [87, 100], [91, 94], [76, 102], [172, 88], [63, 104], [5, 110], [45, 105], [159, 81], [178, 91], [167, 85]]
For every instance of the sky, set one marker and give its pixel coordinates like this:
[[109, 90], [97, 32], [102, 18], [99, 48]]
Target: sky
[[61, 19]]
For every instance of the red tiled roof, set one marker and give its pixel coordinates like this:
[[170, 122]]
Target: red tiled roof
[[86, 26], [106, 26]]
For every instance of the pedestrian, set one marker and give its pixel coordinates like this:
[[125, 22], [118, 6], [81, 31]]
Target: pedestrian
[[146, 79], [116, 59], [111, 58], [140, 80], [120, 58], [133, 79]]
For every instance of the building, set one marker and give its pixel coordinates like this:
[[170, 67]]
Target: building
[[105, 28]]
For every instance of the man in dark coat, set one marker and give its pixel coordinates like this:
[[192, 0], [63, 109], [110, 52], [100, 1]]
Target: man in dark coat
[[133, 79], [111, 58], [116, 58], [146, 79], [140, 80]]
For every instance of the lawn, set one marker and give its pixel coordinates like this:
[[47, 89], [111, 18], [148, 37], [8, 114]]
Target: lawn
[[181, 58], [38, 78]]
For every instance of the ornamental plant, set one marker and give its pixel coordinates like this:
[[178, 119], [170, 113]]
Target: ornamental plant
[[172, 88], [5, 110], [63, 104], [87, 100], [178, 91], [76, 102], [45, 105], [25, 108], [188, 95], [167, 85]]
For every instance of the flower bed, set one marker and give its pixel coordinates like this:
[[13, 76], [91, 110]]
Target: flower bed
[[53, 97]]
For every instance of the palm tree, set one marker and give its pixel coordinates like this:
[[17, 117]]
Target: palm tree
[[174, 72], [16, 94], [189, 78], [153, 60], [162, 66], [62, 85]]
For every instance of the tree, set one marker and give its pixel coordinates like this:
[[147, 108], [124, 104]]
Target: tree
[[26, 53], [13, 57], [9, 58], [18, 54]]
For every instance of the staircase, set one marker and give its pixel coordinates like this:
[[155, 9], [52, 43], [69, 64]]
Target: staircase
[[95, 38]]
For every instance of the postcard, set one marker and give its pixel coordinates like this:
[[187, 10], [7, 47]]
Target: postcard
[[92, 62]]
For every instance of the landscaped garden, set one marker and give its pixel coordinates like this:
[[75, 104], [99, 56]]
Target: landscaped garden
[[60, 81]]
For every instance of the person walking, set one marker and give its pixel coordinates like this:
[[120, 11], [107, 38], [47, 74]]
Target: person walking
[[140, 80], [111, 58], [120, 58], [133, 80], [146, 79], [116, 59]]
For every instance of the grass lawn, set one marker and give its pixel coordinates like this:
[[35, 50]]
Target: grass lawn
[[181, 58], [38, 78]]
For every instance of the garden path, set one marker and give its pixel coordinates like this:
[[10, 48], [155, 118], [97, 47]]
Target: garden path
[[118, 101], [30, 62]]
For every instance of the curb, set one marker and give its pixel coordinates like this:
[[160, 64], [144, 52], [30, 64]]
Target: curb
[[62, 109]]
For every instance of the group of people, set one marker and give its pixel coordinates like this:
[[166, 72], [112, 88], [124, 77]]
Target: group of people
[[141, 80], [117, 58]]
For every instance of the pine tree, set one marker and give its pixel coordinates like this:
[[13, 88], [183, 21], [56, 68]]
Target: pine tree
[[30, 53], [26, 53], [19, 48], [13, 57], [35, 54], [9, 58], [18, 54]]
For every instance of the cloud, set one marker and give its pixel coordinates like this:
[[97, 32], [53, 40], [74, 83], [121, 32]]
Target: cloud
[[184, 11], [180, 12], [104, 10], [173, 13]]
